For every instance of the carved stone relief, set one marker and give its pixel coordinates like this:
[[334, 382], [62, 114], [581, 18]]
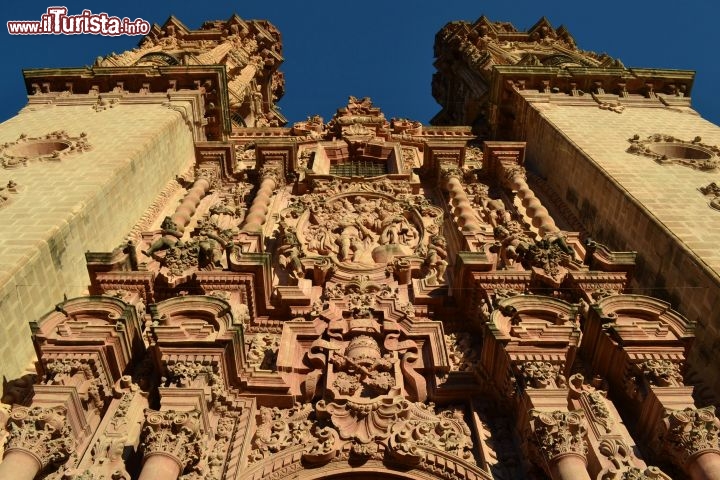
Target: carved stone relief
[[666, 149], [51, 147]]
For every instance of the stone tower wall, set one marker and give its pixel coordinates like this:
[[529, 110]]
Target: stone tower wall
[[632, 202], [84, 201]]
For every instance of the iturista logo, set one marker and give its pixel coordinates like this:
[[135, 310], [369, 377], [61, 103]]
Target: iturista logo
[[56, 21]]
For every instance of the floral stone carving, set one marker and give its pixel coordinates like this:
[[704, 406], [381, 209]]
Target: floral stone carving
[[42, 432], [173, 434], [690, 432], [558, 433]]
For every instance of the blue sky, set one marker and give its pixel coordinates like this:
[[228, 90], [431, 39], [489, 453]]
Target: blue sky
[[383, 49]]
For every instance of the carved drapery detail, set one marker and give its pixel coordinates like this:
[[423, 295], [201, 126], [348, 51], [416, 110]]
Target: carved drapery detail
[[690, 432], [174, 434], [558, 433], [41, 432]]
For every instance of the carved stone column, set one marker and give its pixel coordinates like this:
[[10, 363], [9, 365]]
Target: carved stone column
[[172, 443], [257, 214], [559, 443], [38, 438], [467, 218], [186, 209], [515, 178], [691, 439]]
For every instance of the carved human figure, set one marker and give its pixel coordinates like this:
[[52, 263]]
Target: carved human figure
[[170, 236], [512, 245], [436, 258]]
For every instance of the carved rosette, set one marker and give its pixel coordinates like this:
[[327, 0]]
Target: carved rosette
[[690, 432], [173, 434], [42, 433], [557, 433]]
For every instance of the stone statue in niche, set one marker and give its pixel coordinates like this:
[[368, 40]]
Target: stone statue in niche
[[436, 258], [289, 251]]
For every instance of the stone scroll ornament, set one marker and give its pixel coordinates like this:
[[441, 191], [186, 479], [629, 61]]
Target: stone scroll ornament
[[41, 432], [53, 146]]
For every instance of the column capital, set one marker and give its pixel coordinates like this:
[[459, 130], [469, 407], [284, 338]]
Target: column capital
[[557, 434], [689, 433], [173, 434], [41, 432]]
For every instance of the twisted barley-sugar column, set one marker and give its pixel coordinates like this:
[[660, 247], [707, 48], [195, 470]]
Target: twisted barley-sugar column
[[533, 207], [185, 211], [258, 210], [467, 219]]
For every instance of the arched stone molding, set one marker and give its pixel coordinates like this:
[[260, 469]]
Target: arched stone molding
[[183, 325], [101, 332], [434, 465], [533, 337]]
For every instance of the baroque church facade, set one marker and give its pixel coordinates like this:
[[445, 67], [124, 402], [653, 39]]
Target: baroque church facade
[[212, 294]]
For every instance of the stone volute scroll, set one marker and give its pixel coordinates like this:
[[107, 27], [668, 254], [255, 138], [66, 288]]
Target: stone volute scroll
[[38, 439], [171, 442]]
